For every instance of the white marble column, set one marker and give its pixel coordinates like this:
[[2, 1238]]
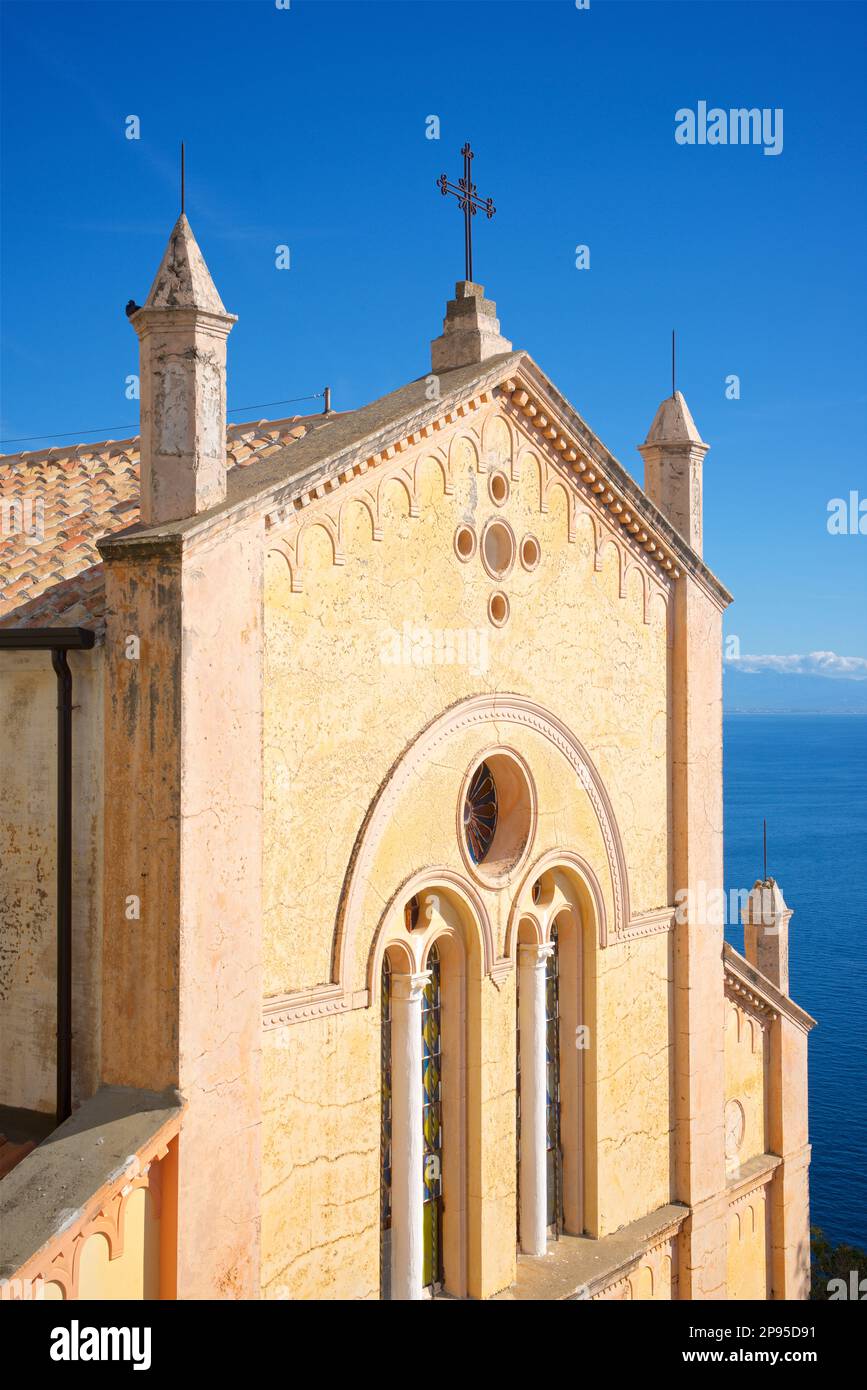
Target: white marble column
[[532, 963], [407, 1177]]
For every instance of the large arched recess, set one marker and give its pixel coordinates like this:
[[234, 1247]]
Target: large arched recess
[[481, 712]]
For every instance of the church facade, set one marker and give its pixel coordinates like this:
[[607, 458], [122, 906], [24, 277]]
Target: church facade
[[397, 760]]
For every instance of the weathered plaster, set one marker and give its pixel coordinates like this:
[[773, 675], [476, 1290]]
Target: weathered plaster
[[183, 986], [28, 893]]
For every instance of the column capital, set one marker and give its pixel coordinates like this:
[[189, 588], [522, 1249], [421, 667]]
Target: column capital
[[531, 953], [410, 987]]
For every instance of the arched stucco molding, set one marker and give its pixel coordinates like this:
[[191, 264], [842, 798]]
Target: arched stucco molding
[[603, 542], [574, 867], [439, 458], [287, 554], [404, 485], [456, 445], [552, 483], [477, 712], [527, 923], [390, 932], [367, 505], [495, 424], [402, 957], [323, 523]]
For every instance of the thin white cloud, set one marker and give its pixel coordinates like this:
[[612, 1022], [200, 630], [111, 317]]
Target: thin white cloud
[[852, 668]]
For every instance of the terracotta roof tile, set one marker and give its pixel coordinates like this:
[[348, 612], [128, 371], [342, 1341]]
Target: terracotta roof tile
[[56, 503]]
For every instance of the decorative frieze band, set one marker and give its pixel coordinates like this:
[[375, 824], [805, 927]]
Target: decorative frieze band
[[304, 1005], [757, 1173], [740, 993], [612, 519], [654, 923], [278, 516]]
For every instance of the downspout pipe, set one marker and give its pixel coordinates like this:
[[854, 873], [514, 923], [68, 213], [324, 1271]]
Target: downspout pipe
[[59, 641]]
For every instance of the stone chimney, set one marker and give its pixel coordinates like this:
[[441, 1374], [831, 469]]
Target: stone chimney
[[182, 331], [766, 932], [471, 330], [673, 455]]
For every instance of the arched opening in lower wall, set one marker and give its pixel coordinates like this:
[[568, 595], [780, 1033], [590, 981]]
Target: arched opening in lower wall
[[428, 960], [555, 931]]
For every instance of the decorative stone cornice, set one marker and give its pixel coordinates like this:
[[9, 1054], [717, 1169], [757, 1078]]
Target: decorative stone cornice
[[745, 985], [301, 1006], [655, 923], [740, 993], [586, 473], [750, 1177]]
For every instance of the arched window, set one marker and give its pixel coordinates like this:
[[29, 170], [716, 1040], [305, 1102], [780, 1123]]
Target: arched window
[[426, 1094], [550, 1095], [385, 1136], [553, 1140], [432, 1123]]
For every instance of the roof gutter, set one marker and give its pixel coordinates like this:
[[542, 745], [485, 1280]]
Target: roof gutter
[[59, 641]]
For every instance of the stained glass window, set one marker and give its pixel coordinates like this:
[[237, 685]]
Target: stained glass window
[[552, 1088], [432, 1102], [385, 1138], [480, 813], [518, 1104]]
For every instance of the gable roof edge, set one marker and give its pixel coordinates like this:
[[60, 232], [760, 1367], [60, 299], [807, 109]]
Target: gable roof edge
[[605, 479], [618, 477], [748, 981]]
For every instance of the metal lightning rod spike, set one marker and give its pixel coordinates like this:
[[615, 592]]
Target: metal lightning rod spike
[[182, 178], [765, 848], [673, 392]]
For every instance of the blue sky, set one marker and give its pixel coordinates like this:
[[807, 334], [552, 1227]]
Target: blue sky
[[306, 127]]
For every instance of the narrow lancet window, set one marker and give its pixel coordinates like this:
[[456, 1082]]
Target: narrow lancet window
[[552, 1096], [432, 1123], [385, 1138]]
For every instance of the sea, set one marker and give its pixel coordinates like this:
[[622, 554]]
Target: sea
[[807, 776]]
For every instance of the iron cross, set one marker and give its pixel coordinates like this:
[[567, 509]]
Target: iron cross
[[469, 202]]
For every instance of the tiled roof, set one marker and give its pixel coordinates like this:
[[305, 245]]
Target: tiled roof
[[56, 503]]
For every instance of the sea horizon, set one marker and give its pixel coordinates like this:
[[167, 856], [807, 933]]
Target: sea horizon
[[810, 789]]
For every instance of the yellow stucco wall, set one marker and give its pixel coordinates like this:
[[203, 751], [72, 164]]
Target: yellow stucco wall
[[133, 1273], [746, 1044], [747, 1262], [342, 708], [635, 1061]]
